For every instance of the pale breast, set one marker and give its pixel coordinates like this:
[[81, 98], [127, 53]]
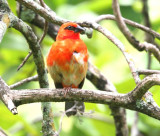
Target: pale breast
[[74, 72]]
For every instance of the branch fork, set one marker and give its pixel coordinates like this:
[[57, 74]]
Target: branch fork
[[5, 96]]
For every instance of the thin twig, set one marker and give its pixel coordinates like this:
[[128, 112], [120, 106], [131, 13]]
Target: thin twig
[[50, 16], [148, 37], [45, 29], [119, 44], [149, 62], [148, 72], [63, 115], [33, 78], [123, 27], [52, 28], [24, 61], [129, 36], [131, 23]]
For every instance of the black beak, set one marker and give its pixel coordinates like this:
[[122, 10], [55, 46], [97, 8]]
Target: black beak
[[79, 29]]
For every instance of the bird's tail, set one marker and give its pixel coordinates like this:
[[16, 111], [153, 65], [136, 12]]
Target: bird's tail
[[71, 108]]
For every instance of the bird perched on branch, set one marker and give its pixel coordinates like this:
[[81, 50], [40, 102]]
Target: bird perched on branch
[[67, 62]]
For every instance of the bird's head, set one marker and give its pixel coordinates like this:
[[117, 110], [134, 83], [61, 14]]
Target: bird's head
[[69, 30]]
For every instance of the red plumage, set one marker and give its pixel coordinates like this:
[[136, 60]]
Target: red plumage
[[67, 61]]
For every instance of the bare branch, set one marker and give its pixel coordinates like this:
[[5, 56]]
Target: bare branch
[[24, 61], [4, 18], [153, 49], [33, 78], [46, 13], [73, 108], [98, 79], [39, 61], [57, 95], [5, 96], [45, 29], [44, 32], [148, 72], [140, 46], [143, 86], [118, 43], [33, 44], [50, 16], [119, 114], [4, 23], [130, 101], [40, 22], [129, 22], [123, 27]]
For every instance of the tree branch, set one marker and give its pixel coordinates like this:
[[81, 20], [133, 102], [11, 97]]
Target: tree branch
[[4, 18], [39, 61], [148, 37], [143, 86], [4, 23], [33, 78], [148, 72], [93, 75], [119, 114], [97, 78], [130, 101], [48, 14], [124, 29], [5, 96], [131, 23], [51, 16], [119, 44], [24, 61]]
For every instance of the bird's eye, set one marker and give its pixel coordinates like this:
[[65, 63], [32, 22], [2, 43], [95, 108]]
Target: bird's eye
[[70, 28]]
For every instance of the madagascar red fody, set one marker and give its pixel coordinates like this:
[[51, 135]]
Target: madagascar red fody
[[67, 60]]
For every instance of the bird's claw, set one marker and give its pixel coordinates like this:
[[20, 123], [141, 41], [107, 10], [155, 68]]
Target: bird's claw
[[67, 89]]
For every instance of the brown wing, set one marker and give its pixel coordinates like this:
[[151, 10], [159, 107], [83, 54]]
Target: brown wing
[[81, 84]]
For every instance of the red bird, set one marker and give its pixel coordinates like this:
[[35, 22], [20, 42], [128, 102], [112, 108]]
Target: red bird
[[67, 62]]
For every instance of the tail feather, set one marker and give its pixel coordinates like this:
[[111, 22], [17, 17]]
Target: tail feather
[[71, 108]]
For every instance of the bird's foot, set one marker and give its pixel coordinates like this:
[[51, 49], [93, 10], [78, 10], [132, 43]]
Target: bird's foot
[[67, 89]]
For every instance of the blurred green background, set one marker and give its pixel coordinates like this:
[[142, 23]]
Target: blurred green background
[[103, 54]]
